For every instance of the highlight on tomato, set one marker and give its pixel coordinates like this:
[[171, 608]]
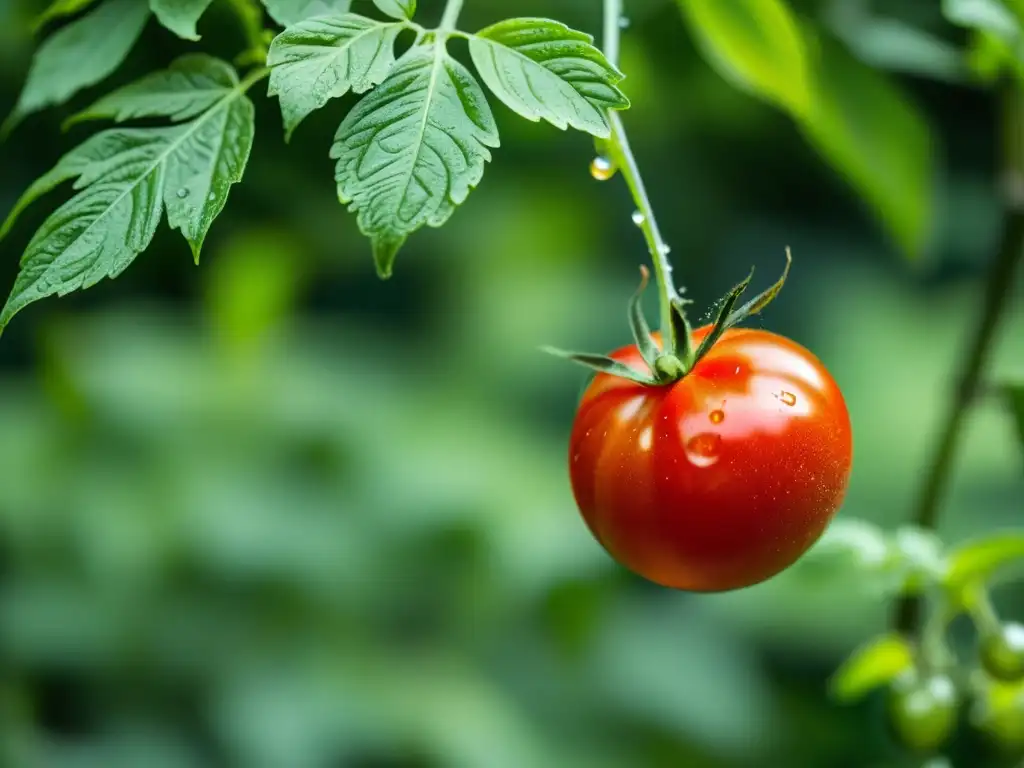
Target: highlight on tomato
[[714, 461]]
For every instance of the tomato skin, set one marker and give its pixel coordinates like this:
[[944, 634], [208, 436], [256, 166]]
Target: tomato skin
[[721, 479]]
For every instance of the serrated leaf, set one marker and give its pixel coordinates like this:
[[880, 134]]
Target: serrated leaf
[[878, 141], [542, 69], [323, 58], [180, 16], [79, 55], [397, 9], [987, 15], [59, 9], [413, 148], [871, 666], [190, 86], [288, 12], [125, 179], [977, 561], [757, 45]]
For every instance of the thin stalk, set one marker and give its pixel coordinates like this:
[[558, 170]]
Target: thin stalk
[[996, 298], [622, 156], [450, 18]]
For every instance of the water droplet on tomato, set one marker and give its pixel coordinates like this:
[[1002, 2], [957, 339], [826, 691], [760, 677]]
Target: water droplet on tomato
[[702, 450], [717, 416], [646, 439], [601, 168], [787, 398]]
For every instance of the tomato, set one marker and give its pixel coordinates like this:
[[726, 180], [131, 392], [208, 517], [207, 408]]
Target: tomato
[[923, 710], [720, 479], [1002, 653]]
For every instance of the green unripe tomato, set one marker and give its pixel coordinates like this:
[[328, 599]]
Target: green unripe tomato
[[999, 714], [1002, 653], [923, 710]]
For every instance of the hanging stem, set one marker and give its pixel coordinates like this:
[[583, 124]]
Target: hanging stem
[[622, 156], [998, 288]]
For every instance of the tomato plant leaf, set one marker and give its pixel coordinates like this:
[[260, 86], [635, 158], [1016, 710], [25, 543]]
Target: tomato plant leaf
[[180, 16], [413, 148], [871, 666], [397, 9], [979, 560], [190, 86], [878, 141], [287, 12], [59, 9], [755, 44], [602, 364], [323, 58], [722, 319], [126, 177], [542, 69], [79, 55]]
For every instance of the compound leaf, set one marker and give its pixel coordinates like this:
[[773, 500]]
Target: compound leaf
[[180, 16], [323, 58], [542, 69], [413, 148], [79, 55], [126, 177]]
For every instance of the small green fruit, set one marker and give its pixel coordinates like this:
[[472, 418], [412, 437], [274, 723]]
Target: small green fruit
[[923, 710], [1002, 653]]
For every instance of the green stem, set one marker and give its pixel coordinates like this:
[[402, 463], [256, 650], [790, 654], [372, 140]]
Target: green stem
[[622, 156], [451, 16], [998, 288]]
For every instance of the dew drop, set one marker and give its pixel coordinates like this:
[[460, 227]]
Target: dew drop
[[601, 168], [182, 193], [787, 398], [623, 22], [717, 416], [702, 450], [664, 249], [212, 197], [638, 218]]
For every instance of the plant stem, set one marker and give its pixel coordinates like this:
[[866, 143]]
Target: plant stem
[[451, 15], [998, 288], [622, 156]]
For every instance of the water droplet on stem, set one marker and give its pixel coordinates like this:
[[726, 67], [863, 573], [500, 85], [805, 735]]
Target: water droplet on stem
[[638, 218], [601, 168]]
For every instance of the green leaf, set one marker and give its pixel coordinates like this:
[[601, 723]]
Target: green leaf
[[59, 9], [190, 86], [125, 179], [288, 12], [180, 16], [977, 561], [757, 45], [763, 299], [79, 55], [397, 9], [873, 665], [413, 148], [542, 69], [323, 58], [722, 319], [878, 141], [986, 15]]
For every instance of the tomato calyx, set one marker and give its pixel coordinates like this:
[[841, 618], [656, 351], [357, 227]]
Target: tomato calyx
[[667, 366]]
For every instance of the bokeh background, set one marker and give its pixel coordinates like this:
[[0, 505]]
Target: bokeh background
[[271, 512]]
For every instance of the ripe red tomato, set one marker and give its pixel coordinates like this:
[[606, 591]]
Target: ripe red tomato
[[721, 479]]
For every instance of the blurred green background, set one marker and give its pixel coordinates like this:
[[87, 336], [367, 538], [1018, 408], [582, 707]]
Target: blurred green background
[[274, 513]]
